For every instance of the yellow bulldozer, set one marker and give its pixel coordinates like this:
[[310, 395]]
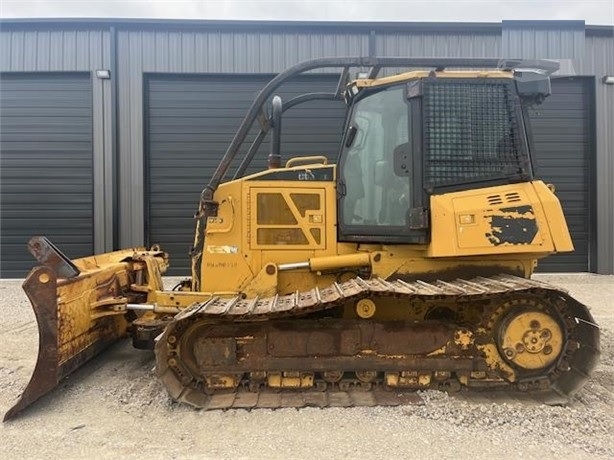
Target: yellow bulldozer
[[405, 265]]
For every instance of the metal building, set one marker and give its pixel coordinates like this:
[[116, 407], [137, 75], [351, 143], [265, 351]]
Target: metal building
[[110, 128]]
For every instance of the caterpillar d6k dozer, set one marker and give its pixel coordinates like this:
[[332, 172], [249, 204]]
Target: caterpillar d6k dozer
[[406, 265]]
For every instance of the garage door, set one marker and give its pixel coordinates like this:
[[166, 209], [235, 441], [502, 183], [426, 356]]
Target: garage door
[[564, 148], [46, 166], [189, 123]]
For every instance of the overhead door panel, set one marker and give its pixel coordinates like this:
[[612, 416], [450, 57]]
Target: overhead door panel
[[563, 152], [46, 166], [190, 121]]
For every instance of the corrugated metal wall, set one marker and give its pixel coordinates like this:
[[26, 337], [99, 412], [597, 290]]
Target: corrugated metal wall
[[599, 61], [263, 48], [209, 51], [452, 44], [537, 40], [65, 50]]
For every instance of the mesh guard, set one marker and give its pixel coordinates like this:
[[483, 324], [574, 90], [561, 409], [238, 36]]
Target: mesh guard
[[472, 132]]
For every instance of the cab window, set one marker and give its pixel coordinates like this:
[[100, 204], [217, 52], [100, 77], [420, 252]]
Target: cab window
[[376, 161]]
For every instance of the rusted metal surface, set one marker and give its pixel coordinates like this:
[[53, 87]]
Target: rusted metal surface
[[79, 317], [319, 345], [268, 336], [215, 352], [62, 347], [145, 330], [46, 253], [296, 399], [46, 374]]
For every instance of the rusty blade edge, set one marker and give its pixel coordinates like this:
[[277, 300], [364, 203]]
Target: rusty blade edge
[[41, 288], [44, 303]]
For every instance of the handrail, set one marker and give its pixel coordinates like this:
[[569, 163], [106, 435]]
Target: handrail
[[315, 159]]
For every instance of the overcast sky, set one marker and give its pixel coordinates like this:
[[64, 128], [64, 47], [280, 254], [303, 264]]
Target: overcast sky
[[592, 11]]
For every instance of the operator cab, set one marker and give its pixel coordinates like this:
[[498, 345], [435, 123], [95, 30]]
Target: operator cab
[[424, 133]]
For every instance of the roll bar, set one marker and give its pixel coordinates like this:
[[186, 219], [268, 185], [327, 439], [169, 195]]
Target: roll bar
[[375, 64]]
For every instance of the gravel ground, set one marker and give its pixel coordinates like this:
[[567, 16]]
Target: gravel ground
[[114, 407]]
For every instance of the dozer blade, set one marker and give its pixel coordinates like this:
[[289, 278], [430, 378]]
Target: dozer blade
[[78, 317]]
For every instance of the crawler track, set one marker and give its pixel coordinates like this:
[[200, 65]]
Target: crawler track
[[304, 349]]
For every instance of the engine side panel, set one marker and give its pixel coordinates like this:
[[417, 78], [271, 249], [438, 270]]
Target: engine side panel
[[280, 216], [507, 219]]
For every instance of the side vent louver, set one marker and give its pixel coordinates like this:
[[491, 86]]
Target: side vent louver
[[512, 197], [494, 199]]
